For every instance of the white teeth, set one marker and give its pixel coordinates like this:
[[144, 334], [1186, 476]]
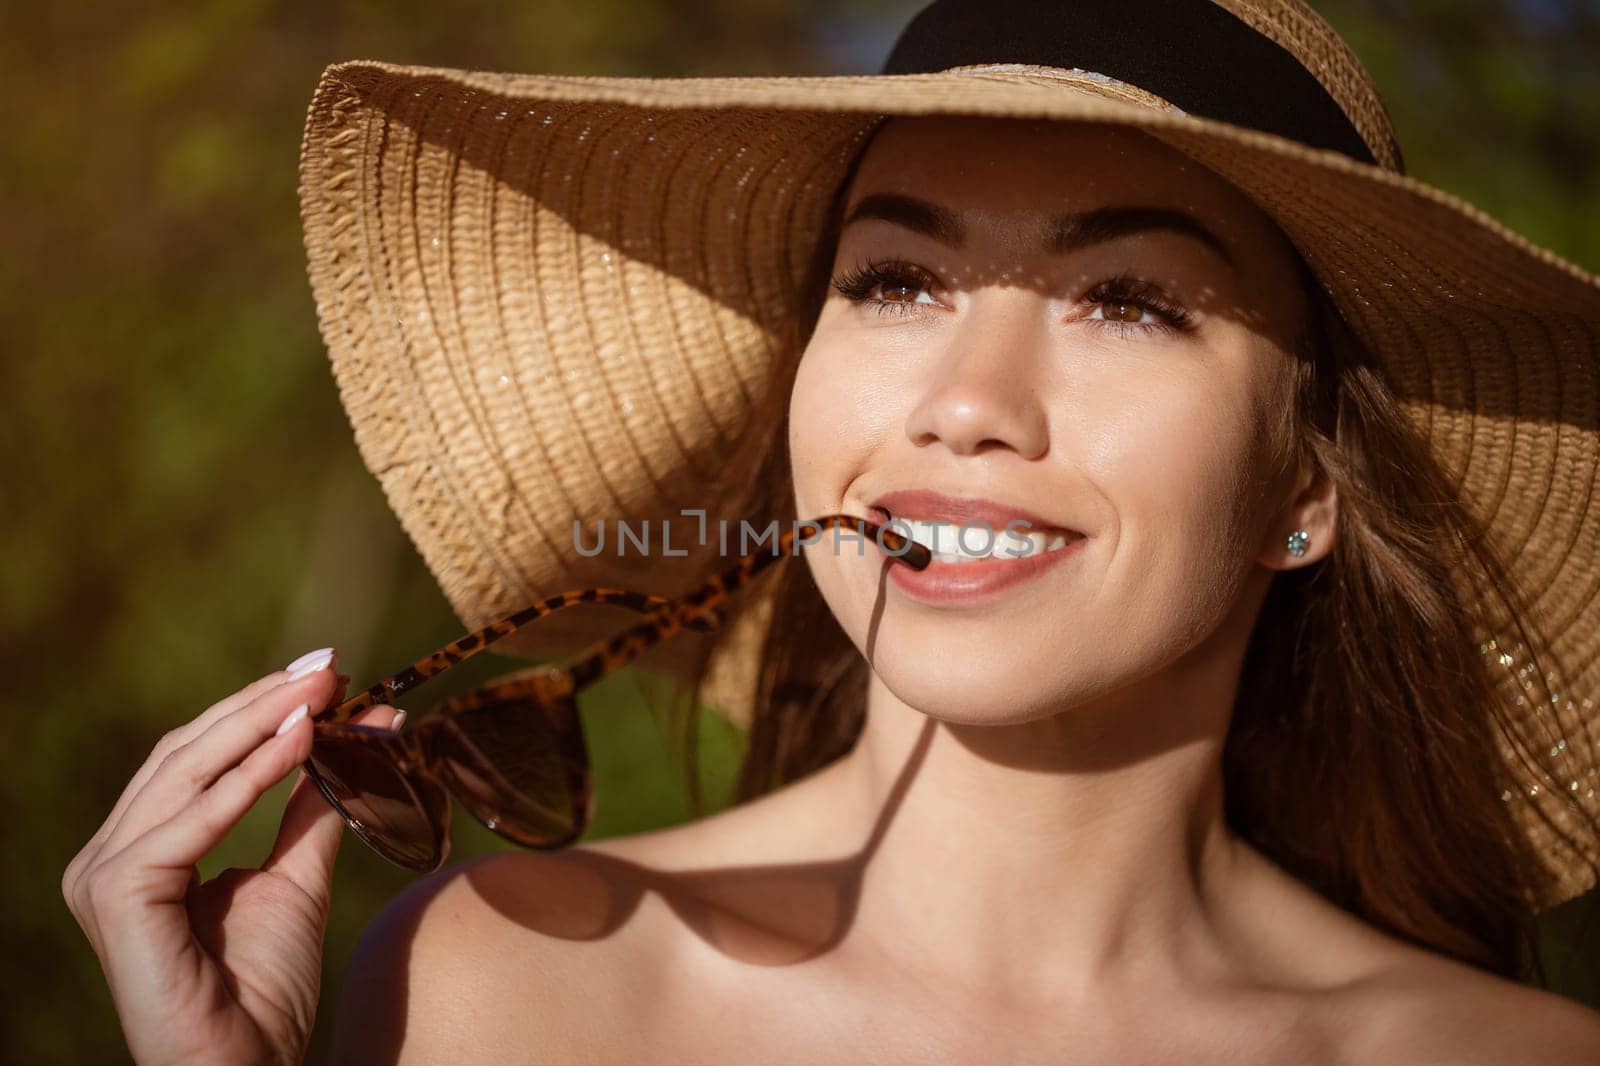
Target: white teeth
[[951, 543]]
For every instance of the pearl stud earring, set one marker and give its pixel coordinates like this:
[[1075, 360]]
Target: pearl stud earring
[[1297, 542]]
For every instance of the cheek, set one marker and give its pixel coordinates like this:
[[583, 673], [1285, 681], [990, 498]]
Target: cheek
[[1162, 459], [845, 414], [811, 426], [838, 416], [1179, 464]]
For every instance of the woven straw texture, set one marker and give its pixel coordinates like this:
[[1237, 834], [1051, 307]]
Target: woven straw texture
[[551, 300]]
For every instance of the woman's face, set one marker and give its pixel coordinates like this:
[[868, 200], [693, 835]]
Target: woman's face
[[1075, 329]]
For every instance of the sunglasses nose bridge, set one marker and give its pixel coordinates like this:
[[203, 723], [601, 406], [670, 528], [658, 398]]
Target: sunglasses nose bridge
[[420, 749]]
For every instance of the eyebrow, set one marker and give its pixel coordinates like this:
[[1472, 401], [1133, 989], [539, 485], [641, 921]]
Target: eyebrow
[[1062, 233]]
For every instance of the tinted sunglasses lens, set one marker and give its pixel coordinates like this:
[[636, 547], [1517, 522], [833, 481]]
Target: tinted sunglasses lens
[[404, 821], [521, 768]]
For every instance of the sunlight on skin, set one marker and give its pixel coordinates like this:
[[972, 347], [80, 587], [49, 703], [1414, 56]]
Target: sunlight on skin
[[1000, 381], [1088, 704]]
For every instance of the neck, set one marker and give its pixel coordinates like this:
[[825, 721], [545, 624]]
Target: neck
[[1053, 854]]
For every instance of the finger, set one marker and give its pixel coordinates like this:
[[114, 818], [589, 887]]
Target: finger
[[309, 835], [308, 841], [72, 877], [222, 708], [163, 857], [380, 714], [74, 881], [191, 769], [226, 706], [181, 735]]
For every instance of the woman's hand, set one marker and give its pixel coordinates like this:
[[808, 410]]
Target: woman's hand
[[226, 971]]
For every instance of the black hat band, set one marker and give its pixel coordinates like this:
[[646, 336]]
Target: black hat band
[[1193, 53]]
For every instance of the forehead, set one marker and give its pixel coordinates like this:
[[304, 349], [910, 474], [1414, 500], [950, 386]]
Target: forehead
[[1004, 170]]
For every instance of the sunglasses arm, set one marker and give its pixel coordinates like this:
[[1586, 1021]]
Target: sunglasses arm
[[386, 690], [700, 605]]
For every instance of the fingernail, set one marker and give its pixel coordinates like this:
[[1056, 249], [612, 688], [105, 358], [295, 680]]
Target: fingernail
[[310, 656], [399, 720], [294, 716], [312, 665]]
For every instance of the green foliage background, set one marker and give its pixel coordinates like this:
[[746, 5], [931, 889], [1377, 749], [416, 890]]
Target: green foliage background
[[184, 508]]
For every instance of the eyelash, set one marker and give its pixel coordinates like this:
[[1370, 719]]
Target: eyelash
[[856, 283]]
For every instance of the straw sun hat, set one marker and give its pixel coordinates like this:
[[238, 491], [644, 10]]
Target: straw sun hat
[[554, 299]]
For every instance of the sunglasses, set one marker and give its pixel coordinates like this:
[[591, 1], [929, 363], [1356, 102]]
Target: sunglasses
[[513, 752]]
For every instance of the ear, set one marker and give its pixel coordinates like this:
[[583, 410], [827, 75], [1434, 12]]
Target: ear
[[1314, 508]]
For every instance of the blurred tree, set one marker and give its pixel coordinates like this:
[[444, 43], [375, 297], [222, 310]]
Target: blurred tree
[[1497, 101], [185, 510]]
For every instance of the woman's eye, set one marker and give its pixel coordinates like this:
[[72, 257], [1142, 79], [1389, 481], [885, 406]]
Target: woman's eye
[[1124, 311], [1133, 305], [1123, 302], [896, 288]]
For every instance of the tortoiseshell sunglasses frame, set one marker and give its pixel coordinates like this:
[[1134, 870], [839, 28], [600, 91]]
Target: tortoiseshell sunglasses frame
[[552, 689]]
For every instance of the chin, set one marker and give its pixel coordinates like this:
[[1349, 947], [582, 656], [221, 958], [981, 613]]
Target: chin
[[980, 703], [973, 689]]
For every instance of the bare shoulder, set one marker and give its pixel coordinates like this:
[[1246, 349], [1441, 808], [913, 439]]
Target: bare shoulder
[[533, 956], [1428, 1008], [1378, 998], [498, 959]]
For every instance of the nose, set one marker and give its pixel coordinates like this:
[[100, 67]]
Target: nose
[[982, 392]]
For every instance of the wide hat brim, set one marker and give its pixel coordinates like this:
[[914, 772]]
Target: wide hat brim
[[552, 300]]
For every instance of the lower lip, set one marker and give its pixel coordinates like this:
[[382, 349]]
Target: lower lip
[[978, 580]]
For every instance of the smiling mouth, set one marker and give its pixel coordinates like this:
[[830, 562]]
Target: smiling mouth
[[973, 540]]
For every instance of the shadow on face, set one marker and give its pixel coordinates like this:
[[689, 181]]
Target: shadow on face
[[1007, 180], [1066, 319]]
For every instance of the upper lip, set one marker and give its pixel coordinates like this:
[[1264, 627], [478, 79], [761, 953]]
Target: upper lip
[[928, 504]]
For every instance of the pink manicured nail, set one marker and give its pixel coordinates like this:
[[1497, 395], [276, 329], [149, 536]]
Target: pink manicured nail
[[312, 665], [310, 656], [294, 716], [399, 720]]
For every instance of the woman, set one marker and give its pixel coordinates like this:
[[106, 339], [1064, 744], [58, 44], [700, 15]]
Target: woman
[[1010, 836]]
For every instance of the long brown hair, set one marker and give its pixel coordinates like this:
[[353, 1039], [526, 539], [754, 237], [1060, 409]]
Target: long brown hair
[[1363, 751]]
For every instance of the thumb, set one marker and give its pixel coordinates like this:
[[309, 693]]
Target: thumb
[[309, 835], [308, 841]]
